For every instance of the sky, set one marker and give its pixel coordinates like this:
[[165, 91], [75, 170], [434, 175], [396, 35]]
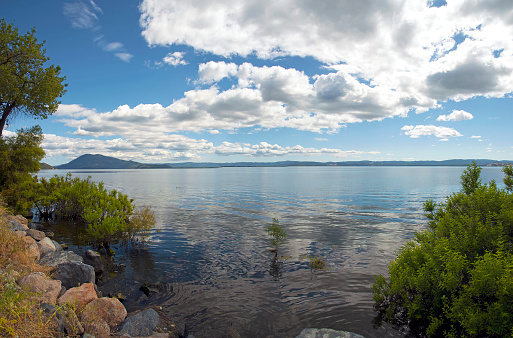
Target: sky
[[165, 81]]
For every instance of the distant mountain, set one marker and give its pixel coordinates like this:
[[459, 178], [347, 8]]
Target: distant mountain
[[106, 162], [89, 161], [45, 166]]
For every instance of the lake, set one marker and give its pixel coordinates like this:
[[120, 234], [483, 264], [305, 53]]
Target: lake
[[212, 251]]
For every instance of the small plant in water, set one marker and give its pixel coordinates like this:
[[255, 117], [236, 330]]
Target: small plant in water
[[317, 263], [277, 234]]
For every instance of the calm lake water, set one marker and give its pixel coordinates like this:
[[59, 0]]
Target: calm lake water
[[211, 248]]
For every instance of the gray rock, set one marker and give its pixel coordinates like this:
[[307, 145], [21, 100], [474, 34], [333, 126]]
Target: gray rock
[[94, 259], [57, 257], [58, 247], [15, 225], [140, 324], [73, 274], [327, 333], [87, 335]]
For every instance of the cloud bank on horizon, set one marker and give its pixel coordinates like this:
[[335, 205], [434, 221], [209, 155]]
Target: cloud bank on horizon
[[377, 60]]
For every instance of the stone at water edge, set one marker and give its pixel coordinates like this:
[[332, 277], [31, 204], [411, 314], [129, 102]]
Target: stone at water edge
[[36, 234], [45, 246], [327, 333], [58, 247], [72, 274], [141, 324], [94, 259], [57, 257]]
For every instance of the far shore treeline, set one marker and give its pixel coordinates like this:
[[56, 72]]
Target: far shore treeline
[[97, 161]]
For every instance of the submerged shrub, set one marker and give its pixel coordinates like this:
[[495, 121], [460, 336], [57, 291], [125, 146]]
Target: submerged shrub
[[455, 278], [277, 234]]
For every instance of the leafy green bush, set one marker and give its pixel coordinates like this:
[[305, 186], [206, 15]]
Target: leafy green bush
[[109, 215], [456, 277]]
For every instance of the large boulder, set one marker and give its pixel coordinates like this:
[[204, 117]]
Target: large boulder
[[58, 257], [108, 310], [140, 324], [73, 274], [36, 234], [15, 225], [79, 297], [37, 282], [45, 246], [20, 233], [327, 333], [97, 329], [94, 259], [32, 248]]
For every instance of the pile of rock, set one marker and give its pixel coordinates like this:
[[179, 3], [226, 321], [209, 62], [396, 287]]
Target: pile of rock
[[70, 298]]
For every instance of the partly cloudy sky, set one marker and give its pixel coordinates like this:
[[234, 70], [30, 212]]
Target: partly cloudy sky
[[226, 81]]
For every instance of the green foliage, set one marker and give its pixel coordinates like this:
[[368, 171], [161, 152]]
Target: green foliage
[[455, 278], [317, 263], [277, 234], [508, 177], [140, 224], [26, 86], [109, 214], [19, 158]]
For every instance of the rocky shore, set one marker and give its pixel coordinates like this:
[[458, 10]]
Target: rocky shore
[[70, 298]]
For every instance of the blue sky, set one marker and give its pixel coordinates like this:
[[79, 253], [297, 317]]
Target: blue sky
[[225, 81]]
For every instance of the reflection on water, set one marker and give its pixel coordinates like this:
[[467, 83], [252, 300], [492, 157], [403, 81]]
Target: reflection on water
[[211, 247]]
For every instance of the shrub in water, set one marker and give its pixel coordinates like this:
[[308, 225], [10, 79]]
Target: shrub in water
[[455, 278]]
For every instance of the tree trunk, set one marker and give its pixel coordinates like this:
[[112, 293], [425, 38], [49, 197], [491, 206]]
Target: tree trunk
[[5, 114]]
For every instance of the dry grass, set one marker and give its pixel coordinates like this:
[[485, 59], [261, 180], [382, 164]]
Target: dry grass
[[20, 315]]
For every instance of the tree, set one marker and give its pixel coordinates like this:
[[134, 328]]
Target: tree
[[454, 278], [26, 86]]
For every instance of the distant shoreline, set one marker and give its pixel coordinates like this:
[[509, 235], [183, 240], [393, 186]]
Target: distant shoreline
[[88, 162]]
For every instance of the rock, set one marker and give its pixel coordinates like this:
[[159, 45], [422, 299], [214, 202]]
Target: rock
[[37, 282], [327, 333], [109, 310], [49, 234], [94, 259], [57, 246], [73, 274], [79, 296], [71, 323], [58, 257], [140, 324], [55, 318], [32, 248], [151, 289], [20, 233], [36, 234], [15, 225], [23, 221], [45, 246], [98, 329]]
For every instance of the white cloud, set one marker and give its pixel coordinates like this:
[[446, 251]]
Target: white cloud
[[81, 15], [406, 52], [113, 46], [320, 139], [211, 71], [175, 59], [172, 147], [427, 130], [124, 56], [456, 115]]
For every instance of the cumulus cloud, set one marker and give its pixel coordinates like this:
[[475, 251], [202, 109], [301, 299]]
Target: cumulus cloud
[[172, 147], [456, 115], [175, 59], [411, 53], [427, 130]]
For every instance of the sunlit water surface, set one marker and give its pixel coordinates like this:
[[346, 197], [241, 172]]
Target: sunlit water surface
[[212, 251]]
